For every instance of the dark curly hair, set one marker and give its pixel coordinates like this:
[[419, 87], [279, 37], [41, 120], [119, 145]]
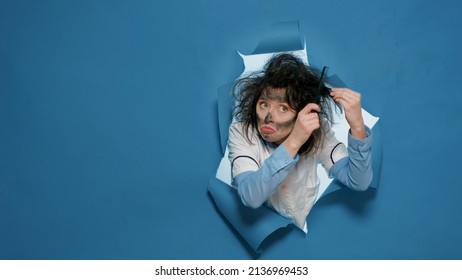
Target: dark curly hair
[[302, 86]]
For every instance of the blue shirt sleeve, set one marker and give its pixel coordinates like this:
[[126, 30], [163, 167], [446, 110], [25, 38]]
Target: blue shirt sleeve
[[255, 187], [355, 171]]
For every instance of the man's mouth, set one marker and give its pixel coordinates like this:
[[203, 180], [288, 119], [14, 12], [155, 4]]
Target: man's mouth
[[266, 129]]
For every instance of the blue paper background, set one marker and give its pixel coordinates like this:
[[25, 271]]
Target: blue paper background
[[109, 133]]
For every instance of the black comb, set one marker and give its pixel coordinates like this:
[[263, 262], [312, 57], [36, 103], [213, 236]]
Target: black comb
[[318, 91]]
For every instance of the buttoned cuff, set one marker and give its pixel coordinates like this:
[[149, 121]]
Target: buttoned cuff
[[361, 145]]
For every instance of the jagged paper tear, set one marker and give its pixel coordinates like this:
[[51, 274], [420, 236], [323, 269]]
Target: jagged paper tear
[[255, 225]]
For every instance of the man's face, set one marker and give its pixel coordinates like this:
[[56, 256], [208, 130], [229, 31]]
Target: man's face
[[275, 118]]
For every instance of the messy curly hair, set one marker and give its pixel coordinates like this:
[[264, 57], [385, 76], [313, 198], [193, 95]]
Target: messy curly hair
[[302, 86]]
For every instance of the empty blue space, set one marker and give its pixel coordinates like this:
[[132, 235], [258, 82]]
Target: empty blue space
[[109, 131]]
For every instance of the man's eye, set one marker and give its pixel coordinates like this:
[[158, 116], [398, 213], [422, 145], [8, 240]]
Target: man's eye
[[263, 105], [283, 109]]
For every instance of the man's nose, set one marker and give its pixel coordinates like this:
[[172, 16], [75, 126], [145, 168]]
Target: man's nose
[[268, 117]]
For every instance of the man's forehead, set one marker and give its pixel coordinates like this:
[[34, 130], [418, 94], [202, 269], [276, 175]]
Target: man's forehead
[[277, 94]]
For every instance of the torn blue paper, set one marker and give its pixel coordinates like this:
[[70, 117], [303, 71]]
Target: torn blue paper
[[284, 36], [255, 225]]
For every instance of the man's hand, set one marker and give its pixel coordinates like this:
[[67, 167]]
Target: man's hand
[[307, 122], [351, 102]]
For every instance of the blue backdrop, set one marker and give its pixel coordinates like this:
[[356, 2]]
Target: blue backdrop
[[109, 133]]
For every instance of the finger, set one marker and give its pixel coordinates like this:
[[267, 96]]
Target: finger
[[340, 90], [347, 93], [310, 118], [341, 101], [349, 96], [310, 107], [346, 98], [312, 124]]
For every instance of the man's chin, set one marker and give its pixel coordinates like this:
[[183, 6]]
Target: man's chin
[[267, 137]]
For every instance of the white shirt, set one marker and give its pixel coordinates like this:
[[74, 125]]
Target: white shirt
[[295, 180]]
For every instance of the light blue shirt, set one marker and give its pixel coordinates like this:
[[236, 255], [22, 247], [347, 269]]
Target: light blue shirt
[[354, 171]]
